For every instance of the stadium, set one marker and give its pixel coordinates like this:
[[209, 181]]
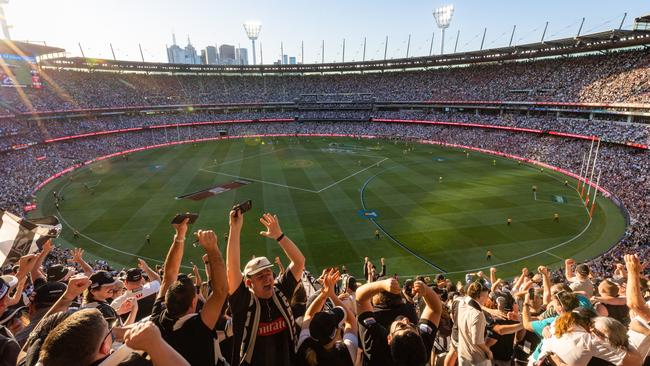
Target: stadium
[[491, 170]]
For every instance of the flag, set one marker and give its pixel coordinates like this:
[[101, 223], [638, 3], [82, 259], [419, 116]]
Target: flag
[[20, 236]]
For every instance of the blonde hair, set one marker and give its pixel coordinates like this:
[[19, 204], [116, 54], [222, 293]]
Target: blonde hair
[[566, 323]]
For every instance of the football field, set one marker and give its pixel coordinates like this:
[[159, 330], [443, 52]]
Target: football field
[[436, 209]]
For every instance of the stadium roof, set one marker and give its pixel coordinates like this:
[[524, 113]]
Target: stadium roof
[[26, 49], [602, 41]]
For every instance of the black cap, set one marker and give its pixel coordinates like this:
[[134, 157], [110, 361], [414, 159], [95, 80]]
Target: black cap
[[10, 313], [324, 324], [49, 293], [56, 272], [134, 275], [101, 278]]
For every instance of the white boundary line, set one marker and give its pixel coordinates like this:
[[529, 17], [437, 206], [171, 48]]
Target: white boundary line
[[455, 272], [248, 157], [260, 181], [292, 187], [325, 151], [352, 175], [102, 244]]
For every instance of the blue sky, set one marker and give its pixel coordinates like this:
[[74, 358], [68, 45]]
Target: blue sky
[[125, 23]]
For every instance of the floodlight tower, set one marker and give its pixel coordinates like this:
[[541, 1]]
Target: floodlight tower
[[443, 18], [253, 31], [3, 20]]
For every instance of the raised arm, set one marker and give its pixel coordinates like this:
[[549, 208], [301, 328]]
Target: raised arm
[[546, 283], [206, 264], [633, 290], [383, 268], [274, 232], [365, 269], [493, 276], [232, 252], [526, 320], [26, 264], [174, 257], [36, 270], [133, 312], [520, 279], [366, 292], [77, 257], [212, 308], [568, 268], [153, 275], [433, 310], [18, 294]]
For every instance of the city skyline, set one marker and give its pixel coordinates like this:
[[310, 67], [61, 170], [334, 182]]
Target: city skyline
[[150, 23]]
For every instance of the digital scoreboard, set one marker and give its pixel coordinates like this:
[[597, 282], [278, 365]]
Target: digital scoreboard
[[19, 71]]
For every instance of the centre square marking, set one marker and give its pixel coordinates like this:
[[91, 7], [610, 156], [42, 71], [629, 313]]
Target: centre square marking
[[303, 163]]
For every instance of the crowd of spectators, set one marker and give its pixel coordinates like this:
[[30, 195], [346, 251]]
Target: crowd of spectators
[[62, 310], [623, 168], [58, 309], [19, 132], [616, 77]]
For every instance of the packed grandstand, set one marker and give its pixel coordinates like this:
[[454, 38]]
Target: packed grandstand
[[546, 110]]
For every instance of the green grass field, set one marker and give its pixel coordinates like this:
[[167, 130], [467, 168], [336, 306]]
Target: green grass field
[[428, 224]]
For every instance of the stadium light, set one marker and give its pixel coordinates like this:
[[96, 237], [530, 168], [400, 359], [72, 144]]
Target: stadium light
[[252, 30], [443, 19]]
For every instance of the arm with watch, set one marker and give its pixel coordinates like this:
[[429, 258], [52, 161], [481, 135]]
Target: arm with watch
[[294, 254], [174, 257]]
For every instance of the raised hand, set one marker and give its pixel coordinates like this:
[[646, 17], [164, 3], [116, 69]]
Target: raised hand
[[181, 229], [236, 220], [391, 285], [77, 284], [143, 336], [47, 247], [420, 288], [77, 255], [633, 263], [569, 262], [26, 263], [207, 239], [272, 225]]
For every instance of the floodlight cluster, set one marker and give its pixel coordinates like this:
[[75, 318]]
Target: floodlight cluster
[[443, 15], [252, 29]]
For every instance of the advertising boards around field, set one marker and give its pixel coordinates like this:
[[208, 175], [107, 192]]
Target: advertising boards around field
[[213, 191]]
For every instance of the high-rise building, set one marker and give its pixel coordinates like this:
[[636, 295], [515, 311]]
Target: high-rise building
[[285, 59], [175, 54], [292, 60], [242, 56], [191, 57], [227, 55], [212, 58], [204, 57]]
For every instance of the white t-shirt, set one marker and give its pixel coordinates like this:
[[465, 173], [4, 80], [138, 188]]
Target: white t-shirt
[[578, 347], [148, 289]]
